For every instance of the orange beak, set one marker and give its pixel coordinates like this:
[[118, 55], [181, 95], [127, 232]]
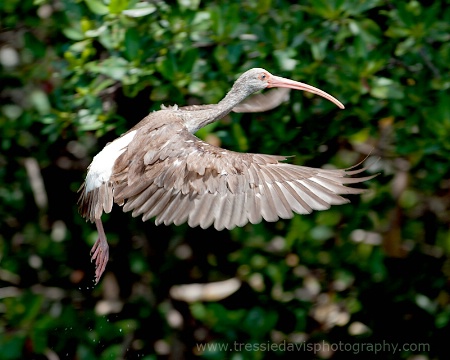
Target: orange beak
[[276, 81]]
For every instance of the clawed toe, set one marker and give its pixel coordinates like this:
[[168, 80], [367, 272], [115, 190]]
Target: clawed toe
[[100, 252]]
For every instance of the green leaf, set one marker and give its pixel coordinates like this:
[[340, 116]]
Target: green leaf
[[117, 6], [318, 50], [141, 9], [97, 7], [12, 346], [240, 137], [114, 67], [96, 32], [384, 88], [189, 4], [286, 59], [167, 66], [405, 46], [322, 233], [187, 61], [40, 101], [260, 321], [132, 44], [73, 33]]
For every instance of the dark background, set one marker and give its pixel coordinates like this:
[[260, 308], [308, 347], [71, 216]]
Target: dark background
[[77, 74]]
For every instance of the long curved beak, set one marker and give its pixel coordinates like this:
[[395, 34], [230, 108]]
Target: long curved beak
[[277, 81]]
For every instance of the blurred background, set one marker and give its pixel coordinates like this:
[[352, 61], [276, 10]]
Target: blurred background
[[77, 74]]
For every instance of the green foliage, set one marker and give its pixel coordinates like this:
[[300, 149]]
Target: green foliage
[[76, 74]]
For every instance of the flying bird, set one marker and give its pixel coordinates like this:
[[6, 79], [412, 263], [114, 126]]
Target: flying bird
[[160, 169]]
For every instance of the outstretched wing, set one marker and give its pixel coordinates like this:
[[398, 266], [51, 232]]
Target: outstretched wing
[[264, 101], [180, 178]]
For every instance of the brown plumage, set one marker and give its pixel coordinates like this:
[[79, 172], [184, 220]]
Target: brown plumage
[[160, 169]]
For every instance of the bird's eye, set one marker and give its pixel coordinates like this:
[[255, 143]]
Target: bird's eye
[[262, 76]]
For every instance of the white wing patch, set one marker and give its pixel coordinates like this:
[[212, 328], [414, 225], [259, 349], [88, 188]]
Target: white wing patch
[[101, 167]]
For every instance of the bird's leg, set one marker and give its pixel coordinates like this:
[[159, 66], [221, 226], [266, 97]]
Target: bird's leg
[[100, 251]]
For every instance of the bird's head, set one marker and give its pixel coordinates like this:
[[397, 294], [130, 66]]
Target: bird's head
[[257, 79]]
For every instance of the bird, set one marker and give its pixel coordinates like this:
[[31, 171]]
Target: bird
[[160, 169]]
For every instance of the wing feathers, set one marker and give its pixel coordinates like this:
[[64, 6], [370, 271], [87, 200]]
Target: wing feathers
[[208, 211], [282, 206], [205, 185], [268, 210], [253, 205], [199, 214], [184, 207], [295, 200], [263, 102], [226, 199], [157, 204], [314, 201]]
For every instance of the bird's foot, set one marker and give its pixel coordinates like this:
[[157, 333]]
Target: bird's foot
[[100, 252]]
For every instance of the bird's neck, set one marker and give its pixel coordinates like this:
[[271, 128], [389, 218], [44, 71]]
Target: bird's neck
[[200, 118], [235, 96]]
